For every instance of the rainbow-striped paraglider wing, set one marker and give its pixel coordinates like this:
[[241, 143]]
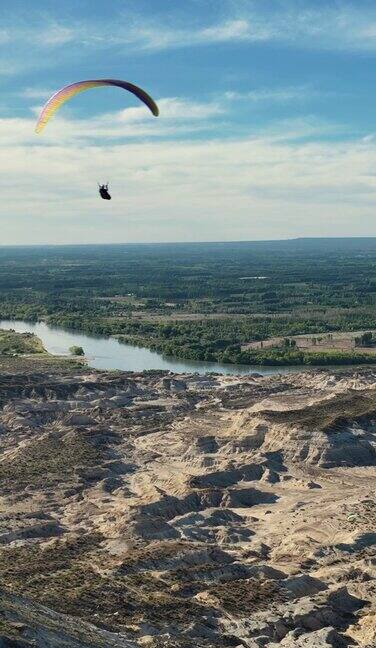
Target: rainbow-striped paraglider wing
[[69, 91]]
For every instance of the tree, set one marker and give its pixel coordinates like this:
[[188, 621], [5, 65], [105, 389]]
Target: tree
[[365, 340], [76, 351]]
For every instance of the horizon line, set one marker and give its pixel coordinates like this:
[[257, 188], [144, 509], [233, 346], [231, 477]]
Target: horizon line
[[160, 243]]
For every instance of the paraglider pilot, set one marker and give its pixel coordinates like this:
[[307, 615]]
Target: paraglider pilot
[[103, 190]]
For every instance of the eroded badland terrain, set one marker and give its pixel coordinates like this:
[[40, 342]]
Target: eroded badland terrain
[[161, 510]]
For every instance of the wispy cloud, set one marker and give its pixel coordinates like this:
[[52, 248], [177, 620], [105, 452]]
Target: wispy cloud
[[172, 109], [55, 34], [276, 95], [160, 37], [298, 24], [35, 93], [178, 118]]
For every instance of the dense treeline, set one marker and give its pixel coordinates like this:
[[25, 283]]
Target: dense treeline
[[254, 290], [280, 357]]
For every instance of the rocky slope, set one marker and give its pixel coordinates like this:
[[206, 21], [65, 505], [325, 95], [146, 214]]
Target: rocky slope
[[160, 510]]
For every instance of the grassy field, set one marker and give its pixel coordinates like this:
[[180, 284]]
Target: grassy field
[[343, 342], [12, 343], [24, 353]]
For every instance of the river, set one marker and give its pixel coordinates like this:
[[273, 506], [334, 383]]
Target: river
[[108, 353]]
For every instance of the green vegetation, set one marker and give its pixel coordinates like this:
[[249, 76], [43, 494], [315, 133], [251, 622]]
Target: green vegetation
[[276, 357], [366, 340], [40, 363], [12, 343], [201, 301], [76, 351]]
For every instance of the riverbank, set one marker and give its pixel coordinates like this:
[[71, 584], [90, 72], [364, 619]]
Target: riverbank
[[111, 353], [223, 341], [132, 353], [12, 343], [24, 352], [108, 353], [280, 356]]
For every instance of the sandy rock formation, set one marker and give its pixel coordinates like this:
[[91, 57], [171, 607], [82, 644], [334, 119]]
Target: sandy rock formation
[[162, 510]]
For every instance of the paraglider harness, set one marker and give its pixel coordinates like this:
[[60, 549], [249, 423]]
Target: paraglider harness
[[103, 190]]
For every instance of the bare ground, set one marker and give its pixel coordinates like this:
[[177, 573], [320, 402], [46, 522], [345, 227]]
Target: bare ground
[[339, 341], [181, 510]]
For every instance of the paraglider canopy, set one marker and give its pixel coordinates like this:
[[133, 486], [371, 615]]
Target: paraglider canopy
[[69, 91]]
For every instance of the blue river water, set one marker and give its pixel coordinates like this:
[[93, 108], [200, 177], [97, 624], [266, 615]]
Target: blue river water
[[108, 353]]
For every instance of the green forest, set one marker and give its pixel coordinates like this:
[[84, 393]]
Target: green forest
[[200, 301]]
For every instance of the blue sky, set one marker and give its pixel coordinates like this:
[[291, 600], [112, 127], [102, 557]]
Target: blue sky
[[267, 126]]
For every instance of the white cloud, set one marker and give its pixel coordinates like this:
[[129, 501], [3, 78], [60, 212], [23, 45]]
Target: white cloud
[[54, 35], [171, 109], [343, 26], [299, 24], [178, 117], [225, 31], [36, 93], [275, 95], [265, 186]]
